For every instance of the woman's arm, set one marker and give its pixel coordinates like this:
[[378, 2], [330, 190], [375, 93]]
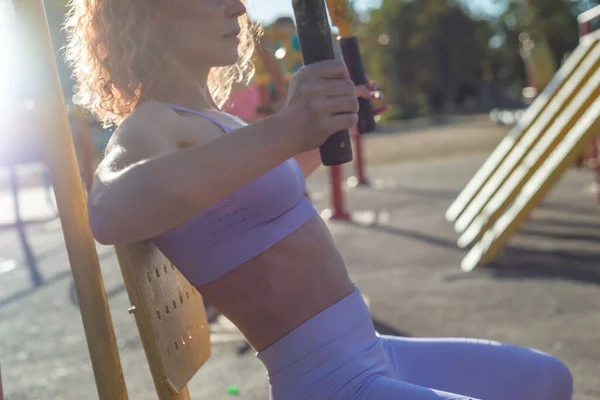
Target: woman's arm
[[309, 161], [145, 186]]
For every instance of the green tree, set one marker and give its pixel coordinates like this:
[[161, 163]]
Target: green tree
[[431, 53], [553, 20]]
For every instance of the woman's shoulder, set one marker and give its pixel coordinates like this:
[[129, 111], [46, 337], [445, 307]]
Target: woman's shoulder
[[143, 130], [149, 114], [154, 128]]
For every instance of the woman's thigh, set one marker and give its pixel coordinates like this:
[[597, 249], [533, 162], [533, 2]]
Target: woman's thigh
[[479, 368]]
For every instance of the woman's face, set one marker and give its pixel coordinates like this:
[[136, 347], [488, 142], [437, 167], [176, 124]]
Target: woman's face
[[204, 33]]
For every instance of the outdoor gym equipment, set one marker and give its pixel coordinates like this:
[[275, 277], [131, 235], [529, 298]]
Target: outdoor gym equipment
[[346, 48], [341, 17], [558, 125], [589, 24], [314, 33], [61, 161], [564, 97]]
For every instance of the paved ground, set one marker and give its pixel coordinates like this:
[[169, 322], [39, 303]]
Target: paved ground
[[543, 291]]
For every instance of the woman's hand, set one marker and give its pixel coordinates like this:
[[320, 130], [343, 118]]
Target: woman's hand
[[311, 160], [371, 91], [322, 100]]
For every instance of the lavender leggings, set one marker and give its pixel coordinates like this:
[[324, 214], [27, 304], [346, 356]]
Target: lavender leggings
[[337, 355]]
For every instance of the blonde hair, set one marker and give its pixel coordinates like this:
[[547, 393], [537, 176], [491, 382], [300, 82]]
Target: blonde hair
[[116, 52]]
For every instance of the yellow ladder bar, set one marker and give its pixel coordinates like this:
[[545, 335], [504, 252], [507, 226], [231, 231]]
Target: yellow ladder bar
[[539, 184], [71, 202], [509, 187], [512, 139], [529, 139]]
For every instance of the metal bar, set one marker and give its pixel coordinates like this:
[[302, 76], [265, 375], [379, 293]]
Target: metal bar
[[532, 150], [340, 12], [512, 139], [537, 187], [315, 40], [71, 202], [337, 195]]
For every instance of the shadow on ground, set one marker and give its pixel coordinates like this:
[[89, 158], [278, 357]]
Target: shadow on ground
[[37, 280], [523, 263], [517, 262]]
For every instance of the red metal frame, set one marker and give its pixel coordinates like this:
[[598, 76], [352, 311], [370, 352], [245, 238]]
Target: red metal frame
[[359, 178], [338, 211], [338, 208], [585, 20]]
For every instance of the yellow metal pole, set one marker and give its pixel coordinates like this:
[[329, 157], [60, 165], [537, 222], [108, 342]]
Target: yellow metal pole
[[577, 83], [340, 12], [341, 16], [512, 184], [513, 138], [537, 188], [149, 338], [71, 201]]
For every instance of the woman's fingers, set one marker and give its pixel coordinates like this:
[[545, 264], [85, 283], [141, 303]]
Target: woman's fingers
[[381, 110], [364, 92]]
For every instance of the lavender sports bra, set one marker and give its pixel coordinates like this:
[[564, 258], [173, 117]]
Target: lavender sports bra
[[239, 226]]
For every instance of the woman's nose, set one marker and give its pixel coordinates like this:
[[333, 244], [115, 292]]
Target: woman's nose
[[236, 9]]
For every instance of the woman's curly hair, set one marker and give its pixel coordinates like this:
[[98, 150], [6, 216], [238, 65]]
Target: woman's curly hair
[[116, 52]]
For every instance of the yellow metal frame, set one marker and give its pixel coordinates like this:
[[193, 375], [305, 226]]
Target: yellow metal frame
[[531, 116], [170, 317], [292, 59], [478, 215], [72, 208], [589, 15], [169, 312], [340, 12], [536, 188], [509, 189], [529, 161]]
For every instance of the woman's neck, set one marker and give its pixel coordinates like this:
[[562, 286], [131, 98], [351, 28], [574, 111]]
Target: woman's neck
[[177, 85]]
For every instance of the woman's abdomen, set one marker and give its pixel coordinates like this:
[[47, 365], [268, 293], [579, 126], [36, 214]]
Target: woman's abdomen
[[282, 287]]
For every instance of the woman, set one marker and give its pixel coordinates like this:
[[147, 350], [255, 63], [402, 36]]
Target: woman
[[224, 201]]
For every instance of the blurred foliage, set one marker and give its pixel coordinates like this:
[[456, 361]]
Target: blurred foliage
[[435, 56]]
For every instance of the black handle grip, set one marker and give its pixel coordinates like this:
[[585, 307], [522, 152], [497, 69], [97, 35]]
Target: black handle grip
[[314, 34], [353, 59]]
